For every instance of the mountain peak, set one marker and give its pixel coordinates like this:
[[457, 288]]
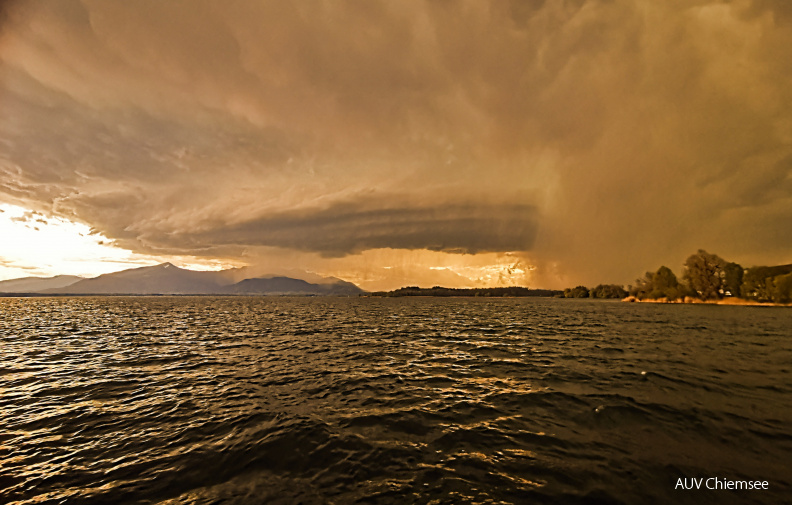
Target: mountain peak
[[167, 278]]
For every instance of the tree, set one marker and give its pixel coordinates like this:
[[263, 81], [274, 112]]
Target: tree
[[733, 278], [643, 287], [782, 289], [759, 283], [660, 284], [608, 291], [704, 273], [664, 284], [576, 292]]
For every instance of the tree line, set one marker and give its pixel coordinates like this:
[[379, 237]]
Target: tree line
[[600, 291], [511, 291], [706, 277]]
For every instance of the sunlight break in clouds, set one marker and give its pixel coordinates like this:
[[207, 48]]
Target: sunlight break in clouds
[[386, 269], [38, 246]]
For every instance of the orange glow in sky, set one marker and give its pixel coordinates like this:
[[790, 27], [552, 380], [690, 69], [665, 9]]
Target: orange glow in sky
[[35, 245]]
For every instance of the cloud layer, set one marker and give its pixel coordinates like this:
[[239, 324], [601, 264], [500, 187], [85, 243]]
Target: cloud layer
[[598, 138]]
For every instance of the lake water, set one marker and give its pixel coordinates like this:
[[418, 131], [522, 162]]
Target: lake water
[[207, 400]]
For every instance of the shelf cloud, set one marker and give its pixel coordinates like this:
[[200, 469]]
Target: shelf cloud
[[356, 226]]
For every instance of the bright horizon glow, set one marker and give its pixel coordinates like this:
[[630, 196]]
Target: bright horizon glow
[[387, 269], [35, 245]]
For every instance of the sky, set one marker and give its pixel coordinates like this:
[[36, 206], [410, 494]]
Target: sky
[[465, 143]]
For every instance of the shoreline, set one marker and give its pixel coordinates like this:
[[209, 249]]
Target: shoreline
[[724, 301]]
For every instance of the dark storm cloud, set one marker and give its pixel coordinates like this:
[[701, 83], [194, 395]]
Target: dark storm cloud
[[641, 130], [356, 226]]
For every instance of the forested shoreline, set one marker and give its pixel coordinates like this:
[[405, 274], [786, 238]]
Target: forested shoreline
[[705, 277], [512, 291]]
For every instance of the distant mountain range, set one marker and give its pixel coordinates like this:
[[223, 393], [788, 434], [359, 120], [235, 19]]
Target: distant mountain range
[[33, 284], [168, 279]]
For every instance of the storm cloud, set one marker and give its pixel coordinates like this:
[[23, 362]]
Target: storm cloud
[[598, 138], [355, 227]]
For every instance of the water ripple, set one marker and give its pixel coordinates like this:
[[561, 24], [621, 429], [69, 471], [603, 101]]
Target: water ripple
[[287, 400]]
